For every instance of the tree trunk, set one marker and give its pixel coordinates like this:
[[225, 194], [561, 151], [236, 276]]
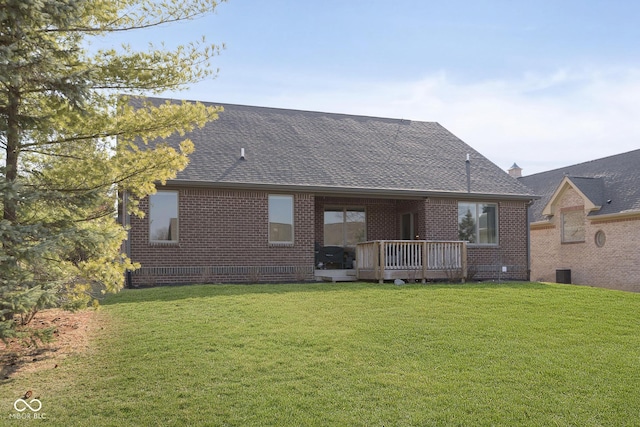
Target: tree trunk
[[13, 153]]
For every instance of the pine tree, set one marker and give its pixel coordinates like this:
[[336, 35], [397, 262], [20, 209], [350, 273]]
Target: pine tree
[[61, 109], [467, 227]]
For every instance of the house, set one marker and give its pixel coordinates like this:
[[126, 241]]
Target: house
[[267, 190], [585, 228]]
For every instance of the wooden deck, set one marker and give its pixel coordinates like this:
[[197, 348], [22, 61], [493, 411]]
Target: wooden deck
[[411, 260]]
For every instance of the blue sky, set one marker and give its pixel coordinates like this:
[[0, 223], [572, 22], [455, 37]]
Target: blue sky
[[541, 83]]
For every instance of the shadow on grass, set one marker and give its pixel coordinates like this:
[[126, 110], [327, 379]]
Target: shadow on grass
[[180, 292], [13, 361]]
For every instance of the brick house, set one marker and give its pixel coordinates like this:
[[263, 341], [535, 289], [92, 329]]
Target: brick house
[[267, 187], [586, 225]]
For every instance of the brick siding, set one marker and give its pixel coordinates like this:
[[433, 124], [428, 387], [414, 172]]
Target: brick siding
[[223, 237], [485, 262], [614, 265]]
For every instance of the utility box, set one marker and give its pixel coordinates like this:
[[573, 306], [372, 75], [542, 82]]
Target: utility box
[[563, 276]]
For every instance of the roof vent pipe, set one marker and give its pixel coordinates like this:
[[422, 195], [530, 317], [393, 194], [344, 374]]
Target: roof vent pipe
[[468, 162], [242, 154]]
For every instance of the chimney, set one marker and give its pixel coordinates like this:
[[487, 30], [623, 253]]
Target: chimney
[[242, 154], [515, 171]]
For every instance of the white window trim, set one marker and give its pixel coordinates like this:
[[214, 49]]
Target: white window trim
[[584, 229], [476, 216], [293, 222], [166, 242]]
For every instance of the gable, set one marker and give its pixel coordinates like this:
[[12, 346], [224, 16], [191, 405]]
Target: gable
[[589, 192], [617, 192]]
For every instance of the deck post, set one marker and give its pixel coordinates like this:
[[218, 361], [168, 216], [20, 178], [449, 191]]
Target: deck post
[[376, 259], [464, 261], [424, 261], [381, 250]]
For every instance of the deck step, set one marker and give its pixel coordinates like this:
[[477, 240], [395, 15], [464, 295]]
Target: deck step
[[346, 275], [335, 279]]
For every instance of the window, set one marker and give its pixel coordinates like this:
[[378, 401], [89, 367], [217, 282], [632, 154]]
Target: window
[[600, 238], [163, 216], [478, 222], [573, 227], [280, 219], [407, 227], [344, 226]]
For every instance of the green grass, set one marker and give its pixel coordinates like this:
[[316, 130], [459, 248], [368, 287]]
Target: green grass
[[352, 355]]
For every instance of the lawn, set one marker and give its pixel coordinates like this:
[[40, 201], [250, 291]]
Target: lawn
[[351, 355]]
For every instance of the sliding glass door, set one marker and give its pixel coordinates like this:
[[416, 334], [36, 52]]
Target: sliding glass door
[[344, 226]]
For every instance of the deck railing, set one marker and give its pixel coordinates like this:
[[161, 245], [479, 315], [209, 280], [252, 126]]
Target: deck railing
[[411, 259]]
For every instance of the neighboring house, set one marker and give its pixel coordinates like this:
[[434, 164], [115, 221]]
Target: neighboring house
[[267, 187], [587, 223]]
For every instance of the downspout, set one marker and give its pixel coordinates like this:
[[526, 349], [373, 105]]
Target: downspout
[[529, 203], [126, 221]]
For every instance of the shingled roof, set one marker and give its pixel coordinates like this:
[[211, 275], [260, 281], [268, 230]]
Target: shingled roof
[[337, 153], [611, 182]]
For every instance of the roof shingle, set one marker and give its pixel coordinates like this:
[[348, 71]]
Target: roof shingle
[[615, 179], [336, 151]]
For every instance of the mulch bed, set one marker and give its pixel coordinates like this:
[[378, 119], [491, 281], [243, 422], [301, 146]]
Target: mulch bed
[[71, 336]]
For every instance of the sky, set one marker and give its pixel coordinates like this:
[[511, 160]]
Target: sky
[[544, 83]]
